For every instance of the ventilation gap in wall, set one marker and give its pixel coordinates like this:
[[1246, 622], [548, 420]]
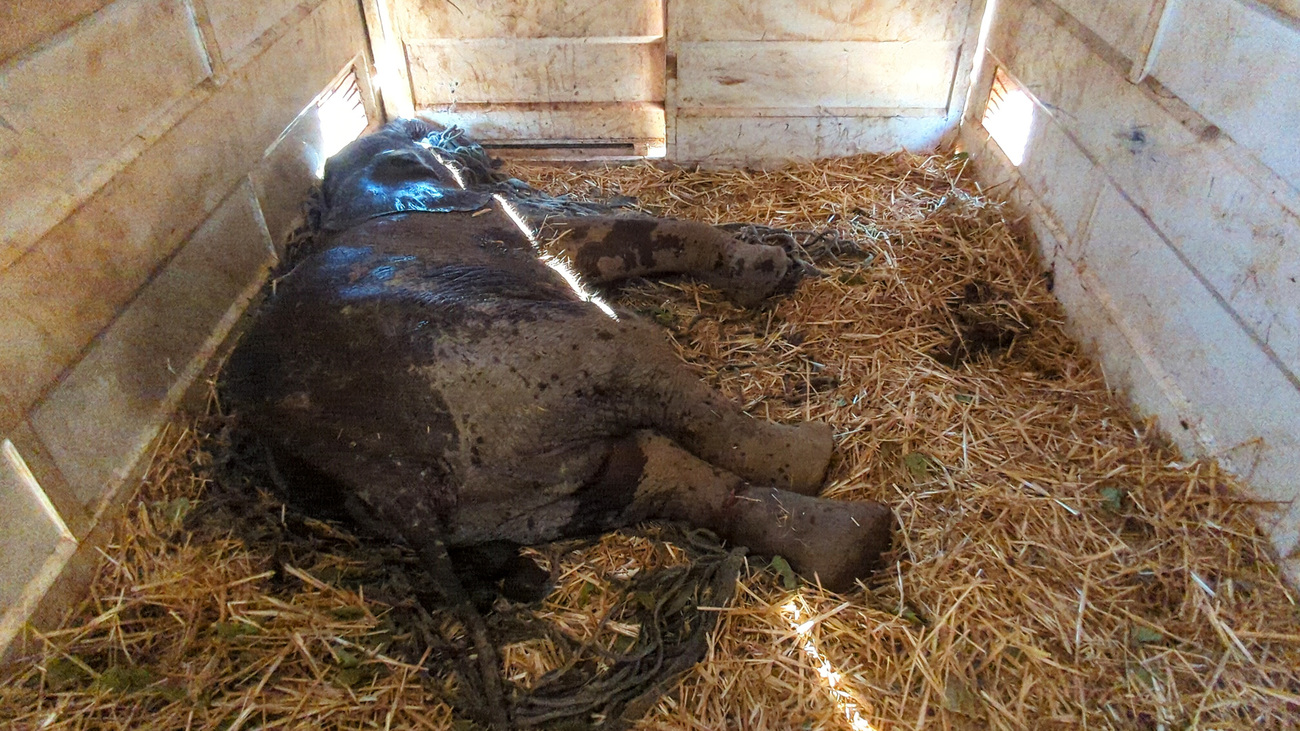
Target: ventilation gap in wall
[[342, 115], [578, 150], [1009, 116]]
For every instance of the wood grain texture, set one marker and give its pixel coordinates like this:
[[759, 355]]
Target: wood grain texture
[[815, 74], [70, 107], [98, 421], [24, 23], [1240, 69], [818, 20], [775, 140], [1175, 261], [543, 123], [425, 19], [1120, 23], [522, 70], [236, 23], [1247, 412], [1187, 179], [759, 81], [76, 279]]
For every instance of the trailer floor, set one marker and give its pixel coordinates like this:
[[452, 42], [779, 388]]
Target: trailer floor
[[1059, 564]]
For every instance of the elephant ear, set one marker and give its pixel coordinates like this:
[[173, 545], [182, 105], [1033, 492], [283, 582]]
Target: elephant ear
[[404, 164]]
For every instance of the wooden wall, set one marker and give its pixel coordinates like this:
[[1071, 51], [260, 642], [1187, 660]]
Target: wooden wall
[[775, 80], [151, 152], [713, 81], [1163, 182], [528, 71]]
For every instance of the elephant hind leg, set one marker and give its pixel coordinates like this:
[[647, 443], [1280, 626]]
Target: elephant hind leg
[[834, 542]]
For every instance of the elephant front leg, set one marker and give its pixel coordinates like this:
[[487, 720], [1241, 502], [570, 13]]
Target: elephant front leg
[[606, 249], [830, 541]]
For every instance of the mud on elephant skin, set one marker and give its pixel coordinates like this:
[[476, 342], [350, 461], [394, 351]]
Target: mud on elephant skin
[[424, 356]]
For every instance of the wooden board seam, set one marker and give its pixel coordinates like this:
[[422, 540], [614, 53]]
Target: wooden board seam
[[85, 189], [1218, 297]]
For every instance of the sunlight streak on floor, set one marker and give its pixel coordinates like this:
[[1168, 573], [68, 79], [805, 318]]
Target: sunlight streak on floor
[[848, 705]]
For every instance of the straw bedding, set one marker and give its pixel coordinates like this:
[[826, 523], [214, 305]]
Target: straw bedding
[[1059, 565]]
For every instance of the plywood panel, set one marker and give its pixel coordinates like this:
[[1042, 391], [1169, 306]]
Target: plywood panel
[[1240, 68], [284, 179], [1248, 412], [1120, 23], [535, 70], [71, 107], [808, 75], [542, 123], [1233, 232], [818, 20], [51, 480], [770, 141], [236, 23], [31, 529], [425, 19], [1060, 176], [27, 22], [72, 284], [1170, 202], [99, 420]]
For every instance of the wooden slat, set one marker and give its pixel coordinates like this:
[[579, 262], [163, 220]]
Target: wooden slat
[[24, 23], [424, 19], [552, 123], [77, 278], [815, 74], [236, 23], [1188, 250], [763, 112], [31, 531], [392, 72], [1090, 316], [819, 20], [98, 421], [1213, 207], [774, 140], [1248, 412], [536, 70], [1249, 86], [72, 106], [1061, 176], [1120, 23]]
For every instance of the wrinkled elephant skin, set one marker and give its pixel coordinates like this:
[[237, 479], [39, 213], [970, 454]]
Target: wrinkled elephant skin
[[426, 358]]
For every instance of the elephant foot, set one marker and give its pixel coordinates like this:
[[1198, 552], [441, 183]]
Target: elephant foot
[[832, 542], [752, 273]]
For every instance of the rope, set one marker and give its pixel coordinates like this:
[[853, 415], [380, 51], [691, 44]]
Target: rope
[[249, 496]]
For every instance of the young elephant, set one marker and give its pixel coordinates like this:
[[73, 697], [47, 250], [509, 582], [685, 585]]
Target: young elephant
[[427, 358]]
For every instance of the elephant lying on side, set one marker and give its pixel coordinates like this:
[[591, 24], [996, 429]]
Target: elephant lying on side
[[428, 359]]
